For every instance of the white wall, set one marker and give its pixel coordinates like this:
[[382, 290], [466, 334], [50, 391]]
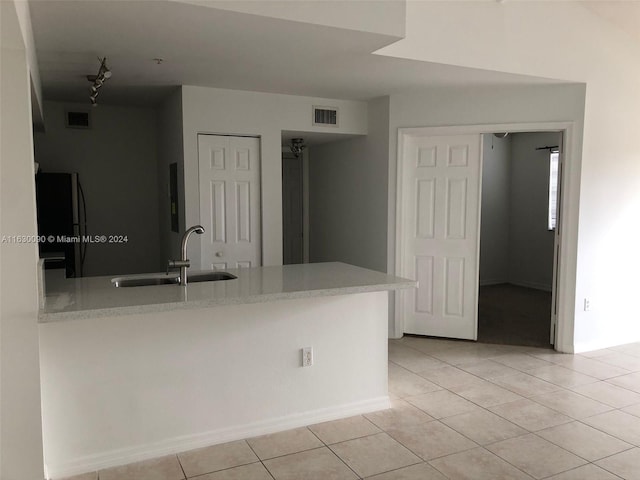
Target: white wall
[[20, 419], [219, 111], [170, 150], [122, 389], [530, 241], [117, 164], [564, 40], [494, 229], [347, 195]]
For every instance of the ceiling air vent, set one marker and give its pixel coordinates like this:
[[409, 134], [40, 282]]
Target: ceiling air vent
[[77, 119], [325, 116]]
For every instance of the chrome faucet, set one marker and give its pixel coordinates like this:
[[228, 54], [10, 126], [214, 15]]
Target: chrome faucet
[[184, 262]]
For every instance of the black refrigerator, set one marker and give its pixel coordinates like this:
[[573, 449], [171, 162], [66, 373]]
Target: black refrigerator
[[61, 221]]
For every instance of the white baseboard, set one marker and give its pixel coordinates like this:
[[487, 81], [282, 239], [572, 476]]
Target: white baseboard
[[565, 348], [600, 344], [175, 445]]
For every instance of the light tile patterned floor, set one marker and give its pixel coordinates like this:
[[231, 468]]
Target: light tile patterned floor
[[461, 410]]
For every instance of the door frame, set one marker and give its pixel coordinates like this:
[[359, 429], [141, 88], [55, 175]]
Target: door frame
[[568, 217]]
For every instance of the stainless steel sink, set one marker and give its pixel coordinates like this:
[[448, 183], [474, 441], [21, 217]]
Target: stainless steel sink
[[162, 279], [144, 281], [209, 277]]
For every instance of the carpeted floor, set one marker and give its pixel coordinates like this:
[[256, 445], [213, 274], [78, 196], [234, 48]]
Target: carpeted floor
[[513, 315]]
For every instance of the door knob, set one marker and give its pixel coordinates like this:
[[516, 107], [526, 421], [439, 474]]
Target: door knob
[[219, 254]]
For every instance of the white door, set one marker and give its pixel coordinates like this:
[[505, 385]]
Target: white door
[[557, 235], [229, 169], [440, 195]]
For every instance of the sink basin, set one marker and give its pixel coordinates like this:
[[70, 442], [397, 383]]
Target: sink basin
[[209, 277], [162, 279], [144, 281]]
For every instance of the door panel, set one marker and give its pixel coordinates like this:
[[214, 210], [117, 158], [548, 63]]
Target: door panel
[[229, 170], [218, 209], [454, 287], [243, 212], [440, 205], [424, 276], [456, 208], [426, 199]]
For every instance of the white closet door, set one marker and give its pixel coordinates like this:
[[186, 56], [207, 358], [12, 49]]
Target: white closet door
[[229, 169]]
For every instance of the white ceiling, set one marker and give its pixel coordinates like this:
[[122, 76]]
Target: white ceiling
[[216, 48], [625, 15]]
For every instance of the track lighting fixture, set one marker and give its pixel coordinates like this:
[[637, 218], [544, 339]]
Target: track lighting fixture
[[98, 80], [297, 146]]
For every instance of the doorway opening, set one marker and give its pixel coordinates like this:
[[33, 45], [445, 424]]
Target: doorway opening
[[517, 237], [438, 193], [293, 203], [316, 167]]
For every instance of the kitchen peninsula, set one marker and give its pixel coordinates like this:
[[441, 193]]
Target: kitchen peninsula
[[139, 372]]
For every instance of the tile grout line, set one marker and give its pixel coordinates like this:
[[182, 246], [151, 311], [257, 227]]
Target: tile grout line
[[343, 462], [476, 444], [632, 446], [609, 456], [607, 433], [260, 460], [581, 466], [181, 467], [490, 453]]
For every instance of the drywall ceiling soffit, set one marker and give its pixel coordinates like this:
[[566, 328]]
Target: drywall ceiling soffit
[[24, 19], [10, 32], [211, 47], [567, 40], [385, 17], [16, 31]]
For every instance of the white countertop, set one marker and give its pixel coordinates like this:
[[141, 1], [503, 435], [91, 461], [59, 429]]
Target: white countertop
[[92, 297]]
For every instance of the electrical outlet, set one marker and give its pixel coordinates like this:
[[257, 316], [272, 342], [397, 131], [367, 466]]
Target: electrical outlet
[[587, 305], [307, 356]]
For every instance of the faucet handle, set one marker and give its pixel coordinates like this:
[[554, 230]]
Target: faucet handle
[[178, 263]]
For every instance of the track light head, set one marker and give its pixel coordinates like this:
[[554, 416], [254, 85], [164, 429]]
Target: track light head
[[98, 80], [297, 146]]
